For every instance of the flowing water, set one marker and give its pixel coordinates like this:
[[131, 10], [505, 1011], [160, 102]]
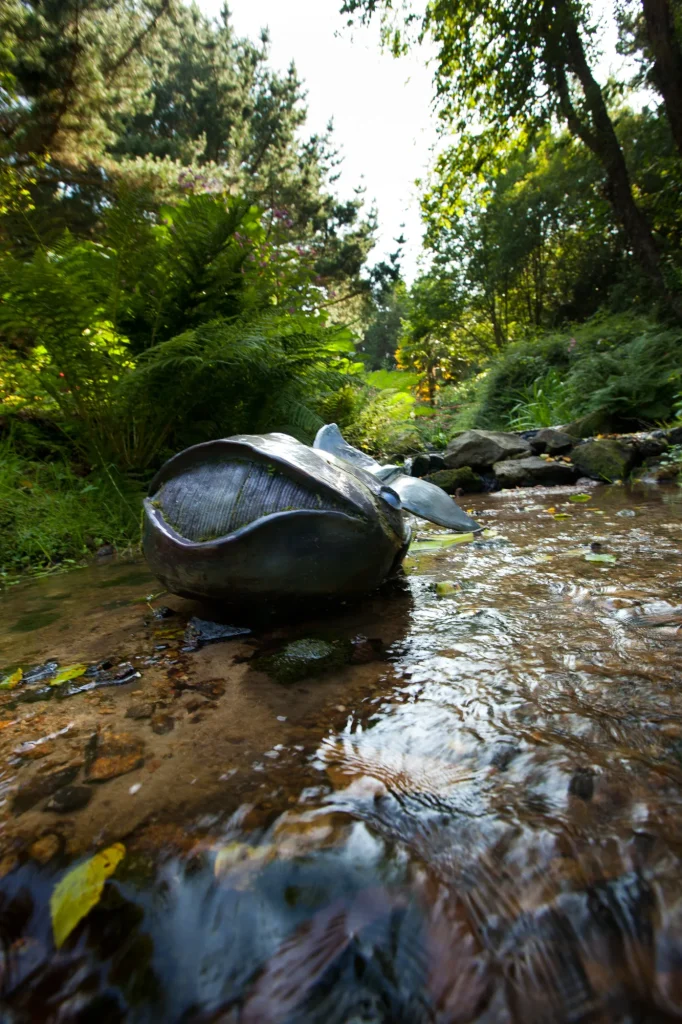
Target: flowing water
[[476, 817]]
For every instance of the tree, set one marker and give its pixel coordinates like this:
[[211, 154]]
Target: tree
[[513, 65], [69, 69], [652, 31]]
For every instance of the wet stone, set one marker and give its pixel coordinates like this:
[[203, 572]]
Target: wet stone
[[140, 711], [33, 792], [45, 848], [71, 798], [365, 650], [421, 465], [162, 724], [195, 702], [164, 612], [112, 754], [582, 784], [200, 632], [302, 658]]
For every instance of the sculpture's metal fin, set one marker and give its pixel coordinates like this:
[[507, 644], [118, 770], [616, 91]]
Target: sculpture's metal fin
[[330, 439], [388, 473], [431, 502]]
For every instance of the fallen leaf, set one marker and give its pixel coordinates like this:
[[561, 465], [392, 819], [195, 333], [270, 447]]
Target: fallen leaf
[[437, 542], [66, 674], [550, 511], [445, 589], [562, 515], [579, 498], [9, 682], [591, 557], [80, 890]]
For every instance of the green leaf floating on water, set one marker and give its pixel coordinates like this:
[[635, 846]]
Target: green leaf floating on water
[[80, 890], [591, 557], [438, 542], [67, 673], [445, 589], [12, 680], [562, 515], [579, 498]]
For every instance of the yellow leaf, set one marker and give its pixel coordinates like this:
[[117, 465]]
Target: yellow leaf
[[12, 680], [445, 589], [551, 511], [67, 673], [80, 890]]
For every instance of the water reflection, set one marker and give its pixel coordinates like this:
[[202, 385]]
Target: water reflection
[[483, 825]]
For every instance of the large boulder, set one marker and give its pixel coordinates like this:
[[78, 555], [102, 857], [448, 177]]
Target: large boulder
[[553, 442], [533, 470], [598, 422], [604, 459], [453, 480], [481, 449]]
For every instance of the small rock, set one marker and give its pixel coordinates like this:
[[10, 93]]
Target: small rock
[[193, 702], [162, 724], [582, 784], [365, 650], [553, 442], [36, 790], [421, 465], [140, 711], [71, 798], [45, 848], [200, 632], [163, 612], [453, 480], [112, 754], [303, 658], [105, 551]]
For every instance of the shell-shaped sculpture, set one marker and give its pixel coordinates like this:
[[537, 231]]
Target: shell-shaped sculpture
[[265, 517]]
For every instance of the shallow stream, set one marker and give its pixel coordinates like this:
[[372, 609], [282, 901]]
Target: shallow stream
[[477, 817]]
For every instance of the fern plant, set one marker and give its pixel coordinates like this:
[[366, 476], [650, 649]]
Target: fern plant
[[165, 334]]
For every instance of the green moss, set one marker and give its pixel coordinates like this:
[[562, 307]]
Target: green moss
[[451, 480], [303, 658]]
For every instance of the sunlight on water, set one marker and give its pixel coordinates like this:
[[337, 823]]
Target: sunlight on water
[[476, 818]]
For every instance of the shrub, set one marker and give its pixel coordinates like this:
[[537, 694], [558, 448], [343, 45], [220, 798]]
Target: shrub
[[625, 365]]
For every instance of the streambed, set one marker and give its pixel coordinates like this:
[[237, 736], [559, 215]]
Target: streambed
[[474, 816]]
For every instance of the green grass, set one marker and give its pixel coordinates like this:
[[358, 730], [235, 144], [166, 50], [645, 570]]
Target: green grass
[[52, 515]]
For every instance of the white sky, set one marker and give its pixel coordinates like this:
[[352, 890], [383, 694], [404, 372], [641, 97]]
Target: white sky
[[380, 106]]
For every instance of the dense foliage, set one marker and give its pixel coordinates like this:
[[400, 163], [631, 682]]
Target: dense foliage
[[176, 263]]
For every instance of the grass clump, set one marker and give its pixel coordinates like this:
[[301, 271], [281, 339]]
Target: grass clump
[[50, 513]]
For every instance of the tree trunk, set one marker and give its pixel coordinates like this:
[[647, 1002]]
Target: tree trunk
[[666, 73], [600, 137]]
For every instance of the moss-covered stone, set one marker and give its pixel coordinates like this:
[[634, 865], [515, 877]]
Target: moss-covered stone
[[598, 422], [604, 459], [302, 658], [452, 480]]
